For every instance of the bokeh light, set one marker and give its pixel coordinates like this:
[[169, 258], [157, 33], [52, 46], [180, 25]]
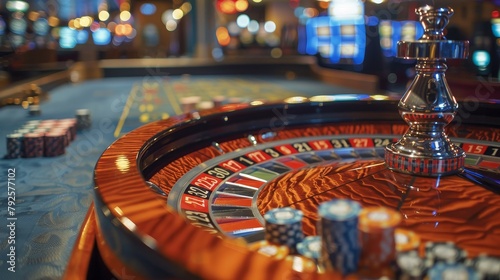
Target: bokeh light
[[148, 9], [222, 35], [103, 15], [125, 15], [242, 21], [171, 25], [270, 26]]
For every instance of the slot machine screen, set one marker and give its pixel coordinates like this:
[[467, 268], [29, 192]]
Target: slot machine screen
[[392, 31], [386, 32], [325, 50], [348, 30], [385, 28], [348, 50], [323, 31], [408, 31], [345, 40], [318, 36]]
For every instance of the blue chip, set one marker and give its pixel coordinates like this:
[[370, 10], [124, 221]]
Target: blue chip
[[310, 247], [339, 209], [284, 226], [487, 266], [14, 145], [338, 228], [456, 271], [283, 216], [446, 252]]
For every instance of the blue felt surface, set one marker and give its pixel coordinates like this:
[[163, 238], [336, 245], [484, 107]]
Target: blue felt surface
[[52, 195]]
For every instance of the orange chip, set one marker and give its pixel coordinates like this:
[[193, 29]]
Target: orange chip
[[276, 251], [377, 234], [377, 218], [406, 240], [302, 264]]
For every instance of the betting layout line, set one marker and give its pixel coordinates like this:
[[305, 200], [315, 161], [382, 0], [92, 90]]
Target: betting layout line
[[174, 89], [126, 109], [169, 92], [268, 91]]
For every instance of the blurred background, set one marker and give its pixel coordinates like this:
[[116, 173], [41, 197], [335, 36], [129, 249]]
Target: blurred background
[[38, 37]]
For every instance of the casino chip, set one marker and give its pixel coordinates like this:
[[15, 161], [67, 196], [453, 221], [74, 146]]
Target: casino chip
[[410, 265], [446, 252], [189, 103], [406, 240], [34, 110], [456, 271], [83, 119], [272, 250], [54, 143], [33, 122], [377, 233], [283, 226], [218, 101], [302, 264], [488, 267], [338, 228], [71, 125], [14, 145], [205, 105], [310, 247], [33, 145], [38, 138]]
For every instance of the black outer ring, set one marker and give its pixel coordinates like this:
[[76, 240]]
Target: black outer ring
[[197, 133]]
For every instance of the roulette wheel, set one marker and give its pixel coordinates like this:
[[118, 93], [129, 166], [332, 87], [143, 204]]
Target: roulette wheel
[[166, 191], [183, 198]]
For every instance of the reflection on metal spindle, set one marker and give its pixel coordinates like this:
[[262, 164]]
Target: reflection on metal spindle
[[155, 188], [428, 105], [218, 148], [252, 140]]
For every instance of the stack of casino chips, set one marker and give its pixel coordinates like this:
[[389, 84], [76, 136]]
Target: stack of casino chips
[[283, 226], [55, 143], [189, 103], [219, 100], [487, 267], [32, 144], [38, 138], [338, 228], [410, 266], [451, 271], [310, 247], [366, 243], [378, 234], [444, 252], [377, 227], [445, 261], [83, 119], [34, 110], [14, 145]]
